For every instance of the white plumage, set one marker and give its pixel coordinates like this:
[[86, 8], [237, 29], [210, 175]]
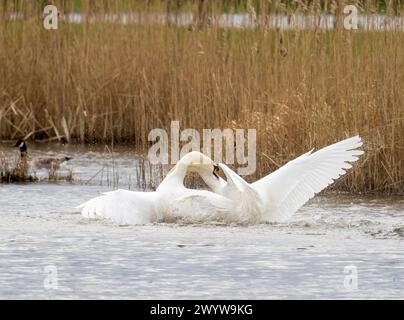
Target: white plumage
[[122, 207], [284, 191], [273, 198], [170, 200]]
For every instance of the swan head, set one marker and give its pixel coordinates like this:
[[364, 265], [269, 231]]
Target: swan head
[[196, 161]]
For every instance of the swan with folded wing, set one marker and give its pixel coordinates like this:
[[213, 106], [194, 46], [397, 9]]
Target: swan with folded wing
[[171, 198]]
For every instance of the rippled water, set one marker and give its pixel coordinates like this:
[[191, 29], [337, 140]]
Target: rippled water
[[305, 258]]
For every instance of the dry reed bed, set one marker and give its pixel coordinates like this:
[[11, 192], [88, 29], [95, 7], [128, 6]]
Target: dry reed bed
[[16, 171], [299, 89]]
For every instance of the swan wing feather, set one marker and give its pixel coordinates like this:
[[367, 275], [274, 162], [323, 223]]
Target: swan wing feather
[[123, 207], [291, 186], [246, 198]]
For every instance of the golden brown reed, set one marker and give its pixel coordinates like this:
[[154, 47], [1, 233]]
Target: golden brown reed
[[300, 88], [16, 171]]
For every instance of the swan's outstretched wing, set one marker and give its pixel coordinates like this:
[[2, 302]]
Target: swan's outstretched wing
[[122, 207], [287, 189], [247, 200]]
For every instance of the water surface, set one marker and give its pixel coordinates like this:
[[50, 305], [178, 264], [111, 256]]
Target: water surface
[[40, 230]]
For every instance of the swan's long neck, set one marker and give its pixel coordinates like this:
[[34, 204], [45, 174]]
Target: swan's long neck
[[216, 184], [175, 177], [180, 171], [195, 162]]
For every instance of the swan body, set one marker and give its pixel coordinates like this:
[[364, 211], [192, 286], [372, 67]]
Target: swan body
[[170, 200]]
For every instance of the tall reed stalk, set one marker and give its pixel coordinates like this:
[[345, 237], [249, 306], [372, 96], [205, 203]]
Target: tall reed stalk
[[105, 81]]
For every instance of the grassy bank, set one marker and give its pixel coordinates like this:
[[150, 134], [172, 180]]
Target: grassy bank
[[299, 89]]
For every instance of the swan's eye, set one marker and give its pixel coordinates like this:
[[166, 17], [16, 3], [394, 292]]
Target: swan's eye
[[216, 171]]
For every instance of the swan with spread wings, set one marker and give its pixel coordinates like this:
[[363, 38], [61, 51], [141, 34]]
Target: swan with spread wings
[[275, 197]]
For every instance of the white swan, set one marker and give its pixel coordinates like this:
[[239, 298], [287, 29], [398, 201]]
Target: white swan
[[281, 193], [171, 199], [272, 198]]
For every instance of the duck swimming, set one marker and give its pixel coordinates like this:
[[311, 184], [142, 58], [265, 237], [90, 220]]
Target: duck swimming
[[38, 163]]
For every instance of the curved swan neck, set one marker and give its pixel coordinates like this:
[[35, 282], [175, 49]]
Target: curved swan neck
[[176, 175], [194, 162], [216, 184], [179, 171]]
